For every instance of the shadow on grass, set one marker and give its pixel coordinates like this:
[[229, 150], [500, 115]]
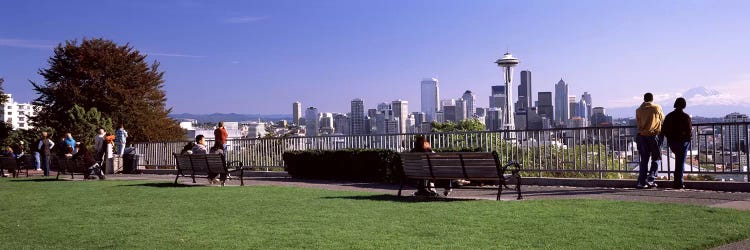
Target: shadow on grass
[[36, 180], [394, 198], [161, 185]]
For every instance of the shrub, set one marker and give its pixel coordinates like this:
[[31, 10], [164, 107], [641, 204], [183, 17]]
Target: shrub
[[380, 165]]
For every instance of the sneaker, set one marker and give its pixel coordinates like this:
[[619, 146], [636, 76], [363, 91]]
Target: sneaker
[[640, 187], [651, 184]]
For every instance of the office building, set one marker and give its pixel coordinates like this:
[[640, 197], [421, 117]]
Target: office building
[[461, 113], [17, 114], [544, 105], [524, 91], [401, 111], [493, 120], [734, 137], [572, 106], [469, 101], [312, 117], [562, 109], [341, 124], [296, 113], [587, 97], [430, 94], [599, 118], [357, 117], [449, 113]]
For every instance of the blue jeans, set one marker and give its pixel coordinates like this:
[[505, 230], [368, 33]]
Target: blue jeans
[[648, 148], [37, 162], [119, 148], [680, 153]]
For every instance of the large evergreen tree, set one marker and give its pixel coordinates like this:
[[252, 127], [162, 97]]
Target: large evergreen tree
[[114, 79], [3, 97]]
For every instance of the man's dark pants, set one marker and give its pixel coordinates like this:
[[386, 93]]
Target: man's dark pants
[[680, 153], [44, 160], [648, 148]]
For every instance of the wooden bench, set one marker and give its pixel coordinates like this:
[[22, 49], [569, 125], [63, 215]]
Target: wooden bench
[[473, 166], [206, 164], [70, 166], [16, 165]]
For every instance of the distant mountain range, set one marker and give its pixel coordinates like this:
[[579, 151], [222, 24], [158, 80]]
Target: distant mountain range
[[231, 117], [701, 101]]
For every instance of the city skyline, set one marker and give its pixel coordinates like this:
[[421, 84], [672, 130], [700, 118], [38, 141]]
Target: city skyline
[[236, 52]]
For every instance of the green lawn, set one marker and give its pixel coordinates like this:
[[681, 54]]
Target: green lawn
[[136, 214]]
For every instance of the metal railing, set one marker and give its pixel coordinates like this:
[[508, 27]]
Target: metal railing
[[718, 149]]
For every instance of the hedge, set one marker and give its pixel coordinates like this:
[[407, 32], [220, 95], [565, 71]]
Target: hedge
[[372, 165]]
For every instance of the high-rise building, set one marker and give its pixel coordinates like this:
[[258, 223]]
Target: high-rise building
[[587, 97], [447, 102], [599, 118], [312, 117], [734, 137], [544, 105], [449, 113], [430, 95], [296, 112], [17, 114], [524, 91], [507, 62], [572, 106], [357, 116], [493, 121], [582, 109], [401, 111], [341, 124], [326, 124], [562, 111], [480, 112], [497, 99], [469, 98], [461, 113]]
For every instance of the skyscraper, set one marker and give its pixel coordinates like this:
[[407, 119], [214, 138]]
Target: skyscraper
[[312, 118], [296, 112], [544, 105], [497, 99], [493, 120], [562, 113], [401, 111], [734, 137], [572, 106], [449, 113], [429, 98], [587, 97], [507, 62], [524, 91], [470, 104], [358, 117], [341, 124], [461, 113]]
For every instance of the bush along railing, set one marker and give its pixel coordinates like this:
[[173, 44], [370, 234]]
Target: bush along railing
[[379, 165]]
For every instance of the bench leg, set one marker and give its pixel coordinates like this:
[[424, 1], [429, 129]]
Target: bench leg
[[193, 175], [499, 191], [58, 174], [178, 176], [242, 174], [518, 184], [401, 187]]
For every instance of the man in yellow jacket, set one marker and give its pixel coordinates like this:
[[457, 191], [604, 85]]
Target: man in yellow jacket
[[649, 118]]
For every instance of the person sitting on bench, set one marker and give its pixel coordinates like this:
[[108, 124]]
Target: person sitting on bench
[[85, 156]]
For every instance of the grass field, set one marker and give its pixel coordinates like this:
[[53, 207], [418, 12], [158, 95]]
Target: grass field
[[36, 213]]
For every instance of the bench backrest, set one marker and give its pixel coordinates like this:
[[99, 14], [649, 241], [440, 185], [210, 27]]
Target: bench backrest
[[67, 164], [207, 163], [8, 163], [451, 165]]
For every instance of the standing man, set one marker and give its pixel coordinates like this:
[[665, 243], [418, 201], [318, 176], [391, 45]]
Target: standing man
[[99, 145], [678, 128], [649, 118], [120, 137], [220, 133], [44, 147]]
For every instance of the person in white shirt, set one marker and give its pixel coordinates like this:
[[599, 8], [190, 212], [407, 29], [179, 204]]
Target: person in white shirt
[[99, 145], [44, 147]]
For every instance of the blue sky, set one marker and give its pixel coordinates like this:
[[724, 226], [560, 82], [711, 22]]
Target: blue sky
[[259, 57]]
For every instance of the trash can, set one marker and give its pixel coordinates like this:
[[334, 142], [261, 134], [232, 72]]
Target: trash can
[[130, 161]]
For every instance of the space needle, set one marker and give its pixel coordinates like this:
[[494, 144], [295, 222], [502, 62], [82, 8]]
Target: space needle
[[507, 63]]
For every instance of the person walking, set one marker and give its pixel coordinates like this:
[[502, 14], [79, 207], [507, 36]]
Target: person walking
[[120, 138], [649, 117], [221, 135], [44, 147], [678, 129]]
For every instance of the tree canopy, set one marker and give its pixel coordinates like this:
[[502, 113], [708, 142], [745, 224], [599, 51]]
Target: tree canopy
[[465, 125], [114, 79], [3, 97]]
